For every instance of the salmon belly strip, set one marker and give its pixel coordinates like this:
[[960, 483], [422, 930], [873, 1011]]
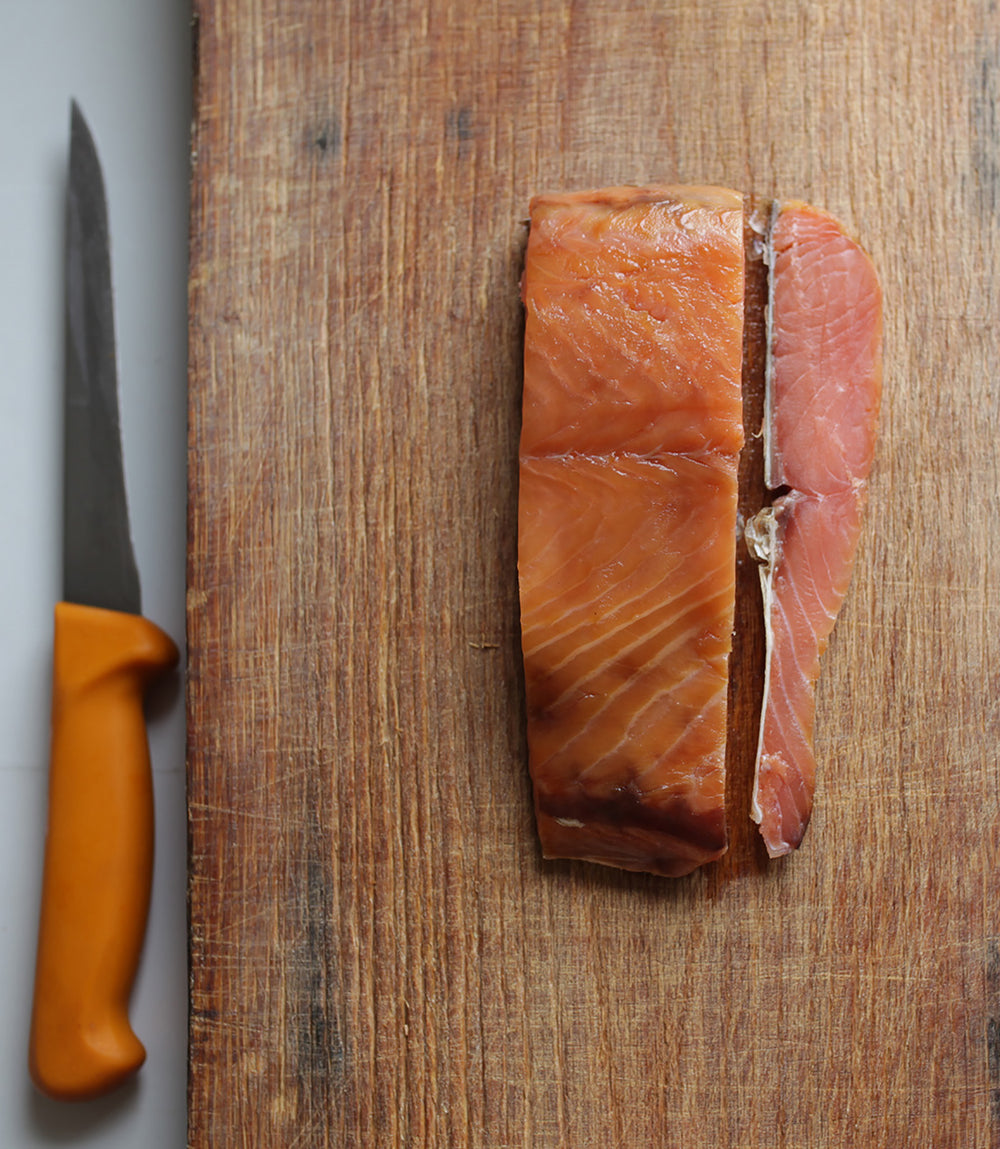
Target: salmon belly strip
[[821, 407], [631, 434]]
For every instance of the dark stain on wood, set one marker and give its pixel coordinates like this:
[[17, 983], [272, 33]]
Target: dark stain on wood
[[326, 138], [459, 128], [313, 1032], [985, 133], [993, 1033]]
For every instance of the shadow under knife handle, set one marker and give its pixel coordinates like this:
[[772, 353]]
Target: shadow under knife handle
[[98, 851]]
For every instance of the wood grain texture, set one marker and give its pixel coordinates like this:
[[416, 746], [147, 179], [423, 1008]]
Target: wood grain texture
[[379, 957]]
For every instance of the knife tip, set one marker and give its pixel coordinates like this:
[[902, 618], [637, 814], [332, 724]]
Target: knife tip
[[78, 126]]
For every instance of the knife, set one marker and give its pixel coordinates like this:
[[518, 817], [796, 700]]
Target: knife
[[99, 841]]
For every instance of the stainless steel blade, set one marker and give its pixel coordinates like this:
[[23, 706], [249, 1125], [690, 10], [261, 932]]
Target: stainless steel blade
[[98, 561]]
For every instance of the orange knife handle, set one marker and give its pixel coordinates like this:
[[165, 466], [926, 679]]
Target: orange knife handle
[[98, 851]]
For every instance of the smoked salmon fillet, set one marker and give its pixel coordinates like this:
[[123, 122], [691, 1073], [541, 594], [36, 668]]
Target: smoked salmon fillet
[[629, 452], [631, 435], [824, 383]]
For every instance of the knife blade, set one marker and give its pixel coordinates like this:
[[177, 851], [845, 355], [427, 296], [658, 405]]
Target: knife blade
[[99, 842]]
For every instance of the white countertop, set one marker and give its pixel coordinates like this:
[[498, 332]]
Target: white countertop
[[127, 63]]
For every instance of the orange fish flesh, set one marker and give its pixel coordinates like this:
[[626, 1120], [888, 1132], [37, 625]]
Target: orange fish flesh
[[631, 434]]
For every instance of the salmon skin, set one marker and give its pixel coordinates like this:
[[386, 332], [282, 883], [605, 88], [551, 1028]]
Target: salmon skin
[[824, 384], [631, 435]]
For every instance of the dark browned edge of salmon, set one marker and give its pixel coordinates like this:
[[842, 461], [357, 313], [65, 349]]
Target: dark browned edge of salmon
[[746, 662]]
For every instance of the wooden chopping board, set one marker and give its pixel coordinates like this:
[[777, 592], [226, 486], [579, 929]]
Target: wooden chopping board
[[379, 956]]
